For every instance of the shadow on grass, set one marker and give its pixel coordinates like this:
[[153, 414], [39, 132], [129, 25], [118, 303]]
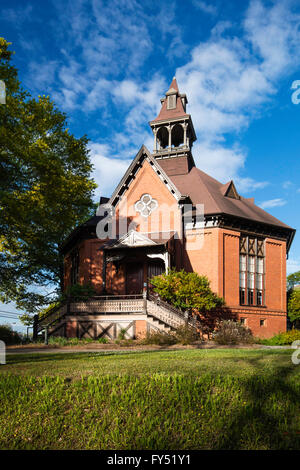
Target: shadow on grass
[[266, 424], [60, 356]]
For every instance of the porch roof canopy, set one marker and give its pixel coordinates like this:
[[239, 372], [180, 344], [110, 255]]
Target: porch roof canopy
[[134, 239]]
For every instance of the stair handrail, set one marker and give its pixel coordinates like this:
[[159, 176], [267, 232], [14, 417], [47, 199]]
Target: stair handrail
[[192, 321]]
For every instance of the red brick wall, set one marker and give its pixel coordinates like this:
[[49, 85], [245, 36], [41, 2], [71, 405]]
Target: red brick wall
[[203, 259], [140, 328], [275, 278], [274, 322], [231, 246], [166, 217]]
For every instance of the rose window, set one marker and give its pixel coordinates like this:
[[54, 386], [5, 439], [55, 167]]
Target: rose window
[[146, 205]]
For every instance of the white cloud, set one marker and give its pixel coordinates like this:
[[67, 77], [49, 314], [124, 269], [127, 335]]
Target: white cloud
[[229, 79], [44, 73], [17, 15], [108, 170], [292, 265], [247, 185], [287, 184], [273, 203], [205, 7]]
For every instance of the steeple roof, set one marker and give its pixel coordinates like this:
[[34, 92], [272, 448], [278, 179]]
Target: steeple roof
[[178, 110]]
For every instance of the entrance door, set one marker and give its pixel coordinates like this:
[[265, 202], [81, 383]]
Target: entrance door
[[134, 278], [155, 268]]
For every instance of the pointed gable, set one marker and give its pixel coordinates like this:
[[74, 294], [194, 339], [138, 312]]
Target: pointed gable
[[132, 172], [229, 190], [173, 104]]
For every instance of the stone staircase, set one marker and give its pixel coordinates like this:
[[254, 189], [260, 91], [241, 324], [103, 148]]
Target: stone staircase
[[159, 315], [165, 314]]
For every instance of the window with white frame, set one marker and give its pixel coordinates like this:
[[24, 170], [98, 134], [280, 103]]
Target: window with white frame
[[251, 271]]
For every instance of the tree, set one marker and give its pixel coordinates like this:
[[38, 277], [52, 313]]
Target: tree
[[45, 191], [294, 306], [293, 280], [188, 291]]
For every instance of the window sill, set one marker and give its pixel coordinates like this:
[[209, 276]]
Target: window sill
[[253, 306]]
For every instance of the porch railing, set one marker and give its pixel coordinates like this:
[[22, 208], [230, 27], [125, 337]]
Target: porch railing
[[179, 317], [94, 305], [122, 304]]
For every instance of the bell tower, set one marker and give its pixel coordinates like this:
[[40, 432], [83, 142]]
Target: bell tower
[[174, 133]]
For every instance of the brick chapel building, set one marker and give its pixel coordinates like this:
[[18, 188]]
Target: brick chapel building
[[168, 213]]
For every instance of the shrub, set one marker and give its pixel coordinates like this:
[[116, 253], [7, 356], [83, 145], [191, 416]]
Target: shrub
[[160, 337], [122, 334], [80, 292], [186, 291], [62, 341], [186, 335], [58, 341], [232, 332], [103, 340], [281, 339], [9, 336]]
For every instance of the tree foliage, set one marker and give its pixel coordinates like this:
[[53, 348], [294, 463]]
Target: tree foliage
[[45, 190], [294, 306], [293, 280], [186, 291]]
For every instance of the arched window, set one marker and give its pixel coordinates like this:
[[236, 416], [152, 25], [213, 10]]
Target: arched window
[[177, 135], [163, 137]]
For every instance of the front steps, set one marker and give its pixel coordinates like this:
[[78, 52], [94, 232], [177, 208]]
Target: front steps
[[109, 316]]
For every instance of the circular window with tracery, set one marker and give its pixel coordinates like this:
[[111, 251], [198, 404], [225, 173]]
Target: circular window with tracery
[[146, 205]]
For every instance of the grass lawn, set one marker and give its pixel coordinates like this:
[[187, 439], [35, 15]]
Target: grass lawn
[[190, 399]]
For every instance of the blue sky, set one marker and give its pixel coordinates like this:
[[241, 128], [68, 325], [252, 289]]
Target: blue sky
[[108, 63]]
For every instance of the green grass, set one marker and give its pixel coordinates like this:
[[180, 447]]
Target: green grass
[[192, 399]]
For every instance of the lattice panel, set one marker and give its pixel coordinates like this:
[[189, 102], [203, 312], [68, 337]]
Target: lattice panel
[[109, 330], [260, 248], [251, 246], [243, 245]]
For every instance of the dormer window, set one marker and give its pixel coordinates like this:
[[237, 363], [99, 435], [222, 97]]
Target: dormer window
[[171, 102]]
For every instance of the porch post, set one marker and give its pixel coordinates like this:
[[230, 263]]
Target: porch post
[[170, 136], [35, 327], [166, 261]]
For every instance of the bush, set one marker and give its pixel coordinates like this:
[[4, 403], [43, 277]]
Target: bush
[[186, 291], [160, 337], [62, 341], [186, 335], [281, 339], [103, 340], [9, 336], [122, 334], [79, 292], [183, 335], [58, 341], [232, 332]]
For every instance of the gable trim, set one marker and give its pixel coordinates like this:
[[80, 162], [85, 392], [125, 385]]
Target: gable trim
[[130, 175]]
